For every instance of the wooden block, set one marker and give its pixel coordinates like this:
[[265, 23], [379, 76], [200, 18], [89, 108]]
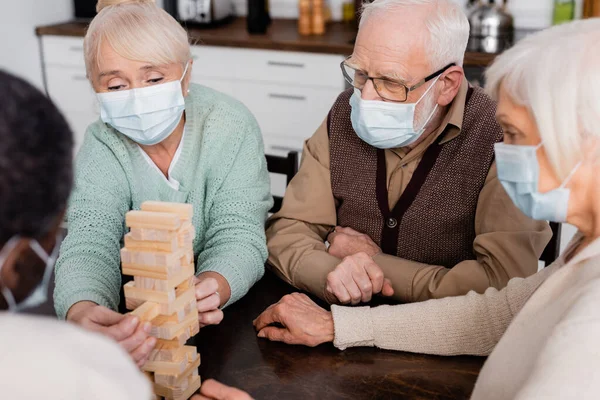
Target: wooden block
[[184, 277], [158, 273], [144, 245], [186, 234], [134, 297], [180, 315], [162, 298], [194, 330], [175, 379], [184, 211], [170, 392], [175, 343], [174, 367], [147, 311], [182, 392], [160, 353], [187, 257], [155, 258], [188, 283], [191, 390], [149, 376], [153, 235], [152, 220], [164, 329], [180, 338]]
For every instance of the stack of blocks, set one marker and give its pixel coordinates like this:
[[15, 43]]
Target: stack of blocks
[[159, 254]]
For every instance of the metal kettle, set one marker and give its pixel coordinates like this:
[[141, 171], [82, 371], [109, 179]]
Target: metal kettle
[[492, 28]]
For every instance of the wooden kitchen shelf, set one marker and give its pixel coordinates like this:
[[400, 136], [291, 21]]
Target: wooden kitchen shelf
[[282, 35]]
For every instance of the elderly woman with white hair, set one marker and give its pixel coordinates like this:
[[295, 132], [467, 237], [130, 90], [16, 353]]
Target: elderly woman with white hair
[[541, 333], [159, 138]]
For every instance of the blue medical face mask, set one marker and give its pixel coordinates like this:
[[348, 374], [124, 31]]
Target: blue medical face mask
[[518, 171], [146, 115], [39, 295], [387, 125]]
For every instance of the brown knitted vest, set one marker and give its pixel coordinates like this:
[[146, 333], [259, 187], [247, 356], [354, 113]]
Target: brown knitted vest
[[434, 219]]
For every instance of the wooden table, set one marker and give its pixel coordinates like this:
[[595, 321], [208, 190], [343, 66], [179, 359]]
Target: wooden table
[[233, 354]]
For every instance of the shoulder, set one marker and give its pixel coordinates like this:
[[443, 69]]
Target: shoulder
[[480, 116], [101, 143], [213, 104], [223, 121], [103, 155], [60, 354]]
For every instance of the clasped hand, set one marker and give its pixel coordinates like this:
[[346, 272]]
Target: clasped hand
[[357, 278]]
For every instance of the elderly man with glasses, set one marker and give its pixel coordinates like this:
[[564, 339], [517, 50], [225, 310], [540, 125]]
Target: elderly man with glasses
[[398, 194]]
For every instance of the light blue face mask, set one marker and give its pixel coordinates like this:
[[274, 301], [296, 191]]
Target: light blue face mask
[[518, 171], [387, 125], [39, 295], [146, 115]]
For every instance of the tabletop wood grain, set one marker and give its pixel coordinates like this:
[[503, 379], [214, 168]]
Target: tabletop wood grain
[[233, 354]]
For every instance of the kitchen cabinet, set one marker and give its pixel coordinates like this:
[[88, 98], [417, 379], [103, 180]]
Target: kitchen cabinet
[[289, 93]]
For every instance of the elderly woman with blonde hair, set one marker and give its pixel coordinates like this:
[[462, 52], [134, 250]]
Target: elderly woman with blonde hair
[[541, 333], [161, 138]]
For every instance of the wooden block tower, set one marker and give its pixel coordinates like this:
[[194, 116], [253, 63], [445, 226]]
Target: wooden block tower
[[158, 253]]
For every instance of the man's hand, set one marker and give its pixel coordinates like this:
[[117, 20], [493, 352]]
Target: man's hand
[[301, 322], [212, 292], [213, 390], [125, 329], [356, 279], [345, 242]]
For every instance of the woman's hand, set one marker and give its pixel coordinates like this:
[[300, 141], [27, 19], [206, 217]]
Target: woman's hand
[[212, 292], [213, 390], [299, 320], [125, 329]]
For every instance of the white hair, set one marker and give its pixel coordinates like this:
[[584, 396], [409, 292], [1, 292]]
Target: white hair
[[137, 30], [447, 25], [556, 75]]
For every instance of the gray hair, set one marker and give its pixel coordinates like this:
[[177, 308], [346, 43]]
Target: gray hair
[[556, 75], [447, 25], [136, 30]]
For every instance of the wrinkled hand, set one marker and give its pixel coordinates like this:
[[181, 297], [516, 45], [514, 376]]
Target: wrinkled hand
[[356, 279], [125, 329], [208, 300], [302, 322], [345, 242], [213, 390]]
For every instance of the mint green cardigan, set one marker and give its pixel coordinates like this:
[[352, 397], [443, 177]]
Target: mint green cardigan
[[221, 170]]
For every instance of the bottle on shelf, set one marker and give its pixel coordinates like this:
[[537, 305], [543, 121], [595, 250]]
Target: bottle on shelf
[[564, 11], [318, 17], [304, 17], [258, 16]]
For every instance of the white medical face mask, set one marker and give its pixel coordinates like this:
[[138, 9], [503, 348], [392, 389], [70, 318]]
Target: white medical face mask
[[387, 125], [39, 295], [146, 115], [518, 172]]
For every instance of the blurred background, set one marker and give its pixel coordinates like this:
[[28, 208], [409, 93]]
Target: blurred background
[[279, 57]]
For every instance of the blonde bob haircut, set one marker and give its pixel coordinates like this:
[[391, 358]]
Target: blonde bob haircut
[[137, 30], [555, 74]]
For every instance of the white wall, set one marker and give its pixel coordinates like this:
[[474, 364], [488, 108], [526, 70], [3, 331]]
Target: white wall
[[19, 46]]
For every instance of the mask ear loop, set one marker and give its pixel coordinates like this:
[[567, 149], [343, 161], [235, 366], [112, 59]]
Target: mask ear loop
[[49, 260], [570, 176], [4, 253], [184, 72], [427, 91], [434, 108]]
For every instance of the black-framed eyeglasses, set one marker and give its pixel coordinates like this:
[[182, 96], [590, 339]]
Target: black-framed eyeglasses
[[388, 89]]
